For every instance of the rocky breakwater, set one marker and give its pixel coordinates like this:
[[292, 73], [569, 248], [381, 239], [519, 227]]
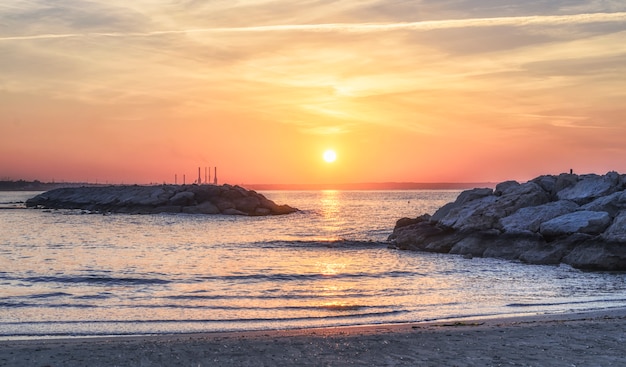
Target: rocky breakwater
[[191, 199], [578, 220]]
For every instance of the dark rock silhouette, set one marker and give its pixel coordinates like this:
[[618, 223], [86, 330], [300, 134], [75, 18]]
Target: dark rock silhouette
[[578, 220], [191, 199]]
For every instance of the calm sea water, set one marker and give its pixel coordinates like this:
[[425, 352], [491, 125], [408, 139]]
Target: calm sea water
[[66, 273]]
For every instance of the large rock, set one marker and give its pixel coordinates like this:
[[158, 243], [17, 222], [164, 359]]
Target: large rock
[[530, 218], [192, 199], [617, 231], [597, 255], [485, 212], [611, 204], [590, 187], [578, 220]]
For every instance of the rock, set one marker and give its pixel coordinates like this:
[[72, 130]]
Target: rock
[[617, 231], [232, 211], [163, 209], [262, 211], [464, 198], [204, 208], [597, 255], [471, 195], [419, 235], [564, 181], [222, 203], [191, 199], [282, 209], [552, 253], [577, 222], [182, 198], [505, 186], [246, 204], [511, 246], [473, 245], [470, 215], [530, 218], [403, 222], [486, 212], [611, 204], [590, 187], [547, 183]]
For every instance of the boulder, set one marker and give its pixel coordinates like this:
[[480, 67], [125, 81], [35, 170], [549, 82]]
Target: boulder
[[617, 230], [590, 187], [472, 245], [247, 204], [597, 255], [577, 222], [420, 234], [503, 187], [546, 182], [486, 212], [552, 253], [182, 198], [611, 204], [563, 181], [530, 218], [511, 246], [232, 211], [470, 215]]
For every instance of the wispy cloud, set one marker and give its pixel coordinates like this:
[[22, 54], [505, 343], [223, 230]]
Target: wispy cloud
[[360, 27]]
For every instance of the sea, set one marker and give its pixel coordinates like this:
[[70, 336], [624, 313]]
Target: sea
[[70, 273]]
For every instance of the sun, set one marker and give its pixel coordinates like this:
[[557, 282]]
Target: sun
[[330, 156]]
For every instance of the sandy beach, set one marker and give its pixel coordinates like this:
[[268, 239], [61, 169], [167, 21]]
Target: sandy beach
[[580, 339]]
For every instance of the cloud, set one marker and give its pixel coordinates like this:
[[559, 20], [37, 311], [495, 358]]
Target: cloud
[[359, 27]]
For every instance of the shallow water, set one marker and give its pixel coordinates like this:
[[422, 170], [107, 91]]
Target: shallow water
[[65, 273]]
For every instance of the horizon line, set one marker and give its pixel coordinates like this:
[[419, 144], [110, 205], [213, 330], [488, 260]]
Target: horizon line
[[384, 185]]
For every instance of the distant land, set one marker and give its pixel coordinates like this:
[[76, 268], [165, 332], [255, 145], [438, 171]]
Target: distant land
[[375, 186], [22, 185]]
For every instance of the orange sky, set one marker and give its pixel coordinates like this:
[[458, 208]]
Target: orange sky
[[424, 91]]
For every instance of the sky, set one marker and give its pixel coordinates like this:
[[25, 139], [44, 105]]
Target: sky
[[403, 91]]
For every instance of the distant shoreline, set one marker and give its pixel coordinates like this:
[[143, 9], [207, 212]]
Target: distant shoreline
[[22, 185], [373, 186]]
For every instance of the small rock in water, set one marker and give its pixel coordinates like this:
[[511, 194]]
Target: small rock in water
[[190, 199]]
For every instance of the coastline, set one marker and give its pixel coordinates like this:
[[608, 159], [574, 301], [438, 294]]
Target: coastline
[[581, 339]]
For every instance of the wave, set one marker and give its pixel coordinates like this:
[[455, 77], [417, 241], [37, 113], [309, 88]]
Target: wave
[[329, 243], [309, 277], [547, 304], [94, 280], [205, 320]]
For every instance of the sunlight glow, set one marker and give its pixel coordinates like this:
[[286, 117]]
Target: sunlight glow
[[330, 156]]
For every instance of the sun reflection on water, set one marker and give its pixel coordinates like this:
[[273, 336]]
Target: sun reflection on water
[[331, 213]]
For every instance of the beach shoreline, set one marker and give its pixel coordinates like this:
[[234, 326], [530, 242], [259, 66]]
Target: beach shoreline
[[566, 339]]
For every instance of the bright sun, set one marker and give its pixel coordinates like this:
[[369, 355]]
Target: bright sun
[[330, 156]]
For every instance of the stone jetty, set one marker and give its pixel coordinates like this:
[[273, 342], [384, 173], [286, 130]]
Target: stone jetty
[[578, 220], [135, 199]]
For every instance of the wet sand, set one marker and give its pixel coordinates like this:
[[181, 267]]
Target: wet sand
[[580, 339]]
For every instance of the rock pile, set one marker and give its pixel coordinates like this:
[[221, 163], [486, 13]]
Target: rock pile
[[191, 199], [578, 220]]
